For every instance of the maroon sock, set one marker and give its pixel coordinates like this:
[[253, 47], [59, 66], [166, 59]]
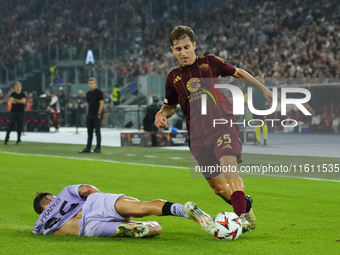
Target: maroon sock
[[239, 203]]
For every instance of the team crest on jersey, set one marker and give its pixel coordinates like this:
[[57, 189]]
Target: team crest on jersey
[[204, 67], [177, 79], [193, 84]]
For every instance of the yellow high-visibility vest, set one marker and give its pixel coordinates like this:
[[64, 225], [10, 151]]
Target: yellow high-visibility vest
[[115, 95], [53, 69]]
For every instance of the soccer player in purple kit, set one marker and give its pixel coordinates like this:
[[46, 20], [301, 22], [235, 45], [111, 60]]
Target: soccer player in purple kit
[[82, 210], [182, 87]]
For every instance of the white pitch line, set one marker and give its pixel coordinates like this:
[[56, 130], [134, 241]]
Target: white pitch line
[[175, 158], [99, 160], [139, 164], [150, 156], [130, 155]]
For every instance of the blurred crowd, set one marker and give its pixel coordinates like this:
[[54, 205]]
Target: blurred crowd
[[324, 120], [270, 38]]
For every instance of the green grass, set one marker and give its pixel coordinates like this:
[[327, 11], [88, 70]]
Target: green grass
[[295, 216]]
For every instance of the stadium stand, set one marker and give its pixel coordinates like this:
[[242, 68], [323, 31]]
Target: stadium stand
[[285, 39], [280, 39]]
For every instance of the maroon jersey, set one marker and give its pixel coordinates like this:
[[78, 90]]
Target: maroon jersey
[[185, 85]]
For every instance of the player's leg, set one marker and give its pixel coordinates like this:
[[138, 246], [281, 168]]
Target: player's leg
[[97, 228], [228, 153], [238, 198], [221, 188], [235, 184], [232, 177], [138, 229], [128, 206]]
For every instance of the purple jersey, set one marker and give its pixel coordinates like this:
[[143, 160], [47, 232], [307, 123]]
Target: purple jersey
[[61, 209]]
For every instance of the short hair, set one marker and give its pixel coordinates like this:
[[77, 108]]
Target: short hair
[[18, 82], [92, 79], [38, 201], [180, 32]]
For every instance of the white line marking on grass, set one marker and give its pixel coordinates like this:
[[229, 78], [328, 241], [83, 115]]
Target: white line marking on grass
[[99, 160], [150, 156], [175, 158], [139, 164], [130, 155]]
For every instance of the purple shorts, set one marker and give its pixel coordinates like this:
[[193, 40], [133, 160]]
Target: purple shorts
[[99, 216], [210, 148]]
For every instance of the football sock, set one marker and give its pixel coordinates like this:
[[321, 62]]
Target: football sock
[[258, 133], [174, 209], [265, 131], [239, 203], [248, 204]]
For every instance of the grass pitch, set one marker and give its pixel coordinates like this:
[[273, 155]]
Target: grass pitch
[[295, 216]]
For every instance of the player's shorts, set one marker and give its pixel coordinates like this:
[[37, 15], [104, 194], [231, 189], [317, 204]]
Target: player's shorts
[[210, 148], [99, 216], [259, 117]]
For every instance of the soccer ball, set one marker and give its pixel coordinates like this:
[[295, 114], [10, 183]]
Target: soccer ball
[[228, 226]]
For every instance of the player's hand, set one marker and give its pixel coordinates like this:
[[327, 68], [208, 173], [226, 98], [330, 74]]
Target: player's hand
[[160, 121], [268, 95]]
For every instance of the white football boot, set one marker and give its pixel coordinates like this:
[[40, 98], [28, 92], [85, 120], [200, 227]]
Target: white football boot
[[132, 229], [245, 223], [202, 218]]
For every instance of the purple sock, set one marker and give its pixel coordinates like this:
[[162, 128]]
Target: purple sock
[[177, 210]]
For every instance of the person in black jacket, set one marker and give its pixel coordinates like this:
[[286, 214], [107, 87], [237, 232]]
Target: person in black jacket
[[94, 109], [149, 119], [18, 101]]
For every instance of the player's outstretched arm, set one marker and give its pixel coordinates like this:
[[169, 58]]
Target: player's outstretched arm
[[86, 190], [165, 112], [250, 80]]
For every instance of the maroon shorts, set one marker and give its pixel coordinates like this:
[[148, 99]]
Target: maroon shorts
[[210, 148]]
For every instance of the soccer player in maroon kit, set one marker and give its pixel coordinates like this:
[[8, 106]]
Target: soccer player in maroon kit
[[208, 144]]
